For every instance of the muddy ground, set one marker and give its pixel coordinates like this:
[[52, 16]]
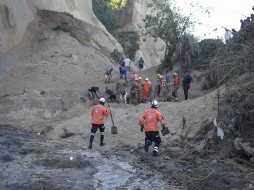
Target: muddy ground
[[32, 161]]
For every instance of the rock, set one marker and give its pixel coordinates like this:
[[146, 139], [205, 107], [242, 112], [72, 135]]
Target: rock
[[250, 185], [214, 162], [252, 159]]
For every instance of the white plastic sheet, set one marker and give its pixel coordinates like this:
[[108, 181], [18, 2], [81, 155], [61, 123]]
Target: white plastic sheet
[[220, 132]]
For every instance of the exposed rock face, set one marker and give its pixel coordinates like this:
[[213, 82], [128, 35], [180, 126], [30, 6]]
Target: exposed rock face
[[152, 51], [16, 15]]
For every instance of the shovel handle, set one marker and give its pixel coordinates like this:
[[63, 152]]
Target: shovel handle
[[112, 118]]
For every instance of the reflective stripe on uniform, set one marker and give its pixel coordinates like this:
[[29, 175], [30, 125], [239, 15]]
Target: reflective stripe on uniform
[[156, 149]]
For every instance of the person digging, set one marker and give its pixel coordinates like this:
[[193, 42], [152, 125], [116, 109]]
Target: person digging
[[148, 122], [98, 113]]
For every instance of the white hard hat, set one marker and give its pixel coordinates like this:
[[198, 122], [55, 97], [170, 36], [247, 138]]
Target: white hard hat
[[147, 79], [174, 74], [102, 100], [154, 103]]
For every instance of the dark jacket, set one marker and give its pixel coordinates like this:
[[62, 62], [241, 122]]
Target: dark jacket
[[186, 80]]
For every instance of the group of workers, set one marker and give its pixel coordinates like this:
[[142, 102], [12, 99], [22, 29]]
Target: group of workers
[[165, 88], [117, 95], [140, 91], [147, 122]]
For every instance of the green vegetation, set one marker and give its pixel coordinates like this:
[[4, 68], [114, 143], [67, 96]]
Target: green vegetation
[[66, 27], [208, 49], [116, 55], [168, 24], [129, 41], [186, 49], [115, 20], [112, 19]]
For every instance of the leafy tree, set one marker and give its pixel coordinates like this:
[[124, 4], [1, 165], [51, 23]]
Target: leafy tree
[[113, 4], [186, 49], [117, 4], [113, 19]]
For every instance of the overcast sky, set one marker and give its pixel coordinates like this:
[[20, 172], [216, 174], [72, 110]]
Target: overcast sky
[[226, 13]]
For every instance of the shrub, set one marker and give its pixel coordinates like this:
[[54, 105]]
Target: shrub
[[129, 41], [66, 27], [116, 55]]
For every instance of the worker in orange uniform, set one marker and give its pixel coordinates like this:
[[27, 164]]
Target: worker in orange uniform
[[148, 122], [98, 112], [176, 85], [146, 89]]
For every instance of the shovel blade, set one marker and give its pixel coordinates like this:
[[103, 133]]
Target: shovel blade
[[113, 130], [165, 131]]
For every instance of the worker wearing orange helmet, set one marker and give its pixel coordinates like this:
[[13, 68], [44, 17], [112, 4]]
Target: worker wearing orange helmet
[[98, 113], [148, 123], [157, 86], [146, 89]]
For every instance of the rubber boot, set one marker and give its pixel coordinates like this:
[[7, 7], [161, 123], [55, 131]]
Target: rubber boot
[[155, 151], [91, 142], [101, 140], [147, 144]]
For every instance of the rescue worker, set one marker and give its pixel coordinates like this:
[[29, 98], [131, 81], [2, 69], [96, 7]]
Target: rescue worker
[[108, 75], [134, 91], [157, 86], [127, 64], [148, 123], [93, 92], [123, 96], [163, 90], [120, 85], [146, 90], [123, 73], [110, 94], [98, 113], [186, 84], [176, 85], [141, 63], [134, 76]]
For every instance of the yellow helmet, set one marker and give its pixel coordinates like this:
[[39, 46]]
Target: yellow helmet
[[160, 77], [139, 78]]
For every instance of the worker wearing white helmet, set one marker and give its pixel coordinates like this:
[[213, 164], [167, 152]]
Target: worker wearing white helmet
[[146, 89], [148, 123], [98, 113]]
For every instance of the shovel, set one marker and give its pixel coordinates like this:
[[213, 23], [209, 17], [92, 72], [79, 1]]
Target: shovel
[[113, 128], [165, 131]]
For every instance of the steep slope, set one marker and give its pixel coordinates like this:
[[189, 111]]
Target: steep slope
[[153, 51], [50, 70], [16, 15]]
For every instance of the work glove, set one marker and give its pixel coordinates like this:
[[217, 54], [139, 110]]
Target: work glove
[[141, 128], [163, 125]]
